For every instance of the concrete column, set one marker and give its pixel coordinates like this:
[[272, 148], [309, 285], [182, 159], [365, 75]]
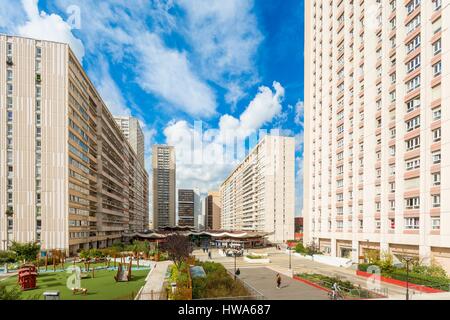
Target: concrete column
[[425, 254], [333, 247], [355, 251]]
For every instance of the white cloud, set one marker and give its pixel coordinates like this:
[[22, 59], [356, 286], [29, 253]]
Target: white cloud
[[134, 35], [262, 109], [168, 73], [225, 37], [48, 27], [108, 89], [203, 160], [300, 113]]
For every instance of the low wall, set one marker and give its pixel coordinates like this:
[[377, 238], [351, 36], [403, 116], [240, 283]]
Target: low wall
[[400, 283], [246, 259], [331, 261]]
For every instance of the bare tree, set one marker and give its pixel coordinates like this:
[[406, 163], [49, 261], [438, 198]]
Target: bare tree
[[178, 248]]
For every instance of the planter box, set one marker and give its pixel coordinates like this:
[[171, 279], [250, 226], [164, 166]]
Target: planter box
[[310, 283], [264, 260], [400, 283]]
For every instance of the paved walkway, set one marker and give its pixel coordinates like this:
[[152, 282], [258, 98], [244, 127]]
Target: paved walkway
[[154, 283], [280, 263], [264, 280]]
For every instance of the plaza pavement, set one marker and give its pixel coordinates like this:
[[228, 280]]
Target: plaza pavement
[[264, 280], [280, 264]]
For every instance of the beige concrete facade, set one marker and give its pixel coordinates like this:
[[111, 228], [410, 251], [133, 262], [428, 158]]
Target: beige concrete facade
[[259, 195], [131, 128], [164, 186], [68, 178], [376, 83], [213, 211]]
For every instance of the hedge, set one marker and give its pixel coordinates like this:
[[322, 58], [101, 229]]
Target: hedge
[[414, 278]]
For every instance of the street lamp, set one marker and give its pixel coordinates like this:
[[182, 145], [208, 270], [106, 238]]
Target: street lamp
[[407, 260], [235, 267], [290, 258]]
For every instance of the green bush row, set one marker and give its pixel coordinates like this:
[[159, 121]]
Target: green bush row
[[441, 283]]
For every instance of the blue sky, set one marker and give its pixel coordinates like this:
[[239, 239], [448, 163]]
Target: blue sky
[[235, 65]]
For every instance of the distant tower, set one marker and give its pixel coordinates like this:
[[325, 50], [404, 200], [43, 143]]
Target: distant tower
[[132, 130], [164, 181]]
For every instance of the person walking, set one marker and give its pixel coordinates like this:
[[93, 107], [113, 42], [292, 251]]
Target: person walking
[[278, 281]]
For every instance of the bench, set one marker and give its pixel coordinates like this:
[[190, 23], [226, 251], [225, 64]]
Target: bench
[[79, 290]]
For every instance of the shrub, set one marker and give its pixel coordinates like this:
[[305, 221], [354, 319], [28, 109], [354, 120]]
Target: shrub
[[7, 257], [299, 248], [13, 294], [26, 252], [217, 284]]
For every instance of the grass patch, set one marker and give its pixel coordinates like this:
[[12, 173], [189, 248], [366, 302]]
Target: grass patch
[[102, 287]]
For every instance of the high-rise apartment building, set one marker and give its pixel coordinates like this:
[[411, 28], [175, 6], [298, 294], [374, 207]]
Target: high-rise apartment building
[[68, 177], [213, 209], [259, 195], [131, 128], [186, 204], [376, 85], [164, 186]]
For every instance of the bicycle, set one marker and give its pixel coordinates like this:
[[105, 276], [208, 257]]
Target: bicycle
[[335, 295]]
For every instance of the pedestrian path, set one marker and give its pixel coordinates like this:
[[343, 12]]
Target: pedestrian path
[[264, 280], [153, 288]]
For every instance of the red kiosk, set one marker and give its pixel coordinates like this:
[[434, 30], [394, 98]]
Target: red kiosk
[[27, 277]]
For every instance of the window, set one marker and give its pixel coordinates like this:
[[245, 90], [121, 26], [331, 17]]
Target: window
[[437, 135], [9, 48], [412, 5], [412, 223], [412, 203], [437, 47], [413, 84], [436, 178], [412, 164], [413, 143], [413, 44], [413, 24], [392, 187], [437, 69], [392, 205], [437, 4], [392, 170], [436, 157], [436, 200], [412, 124], [392, 151], [413, 104], [413, 64], [437, 114], [392, 223], [435, 223]]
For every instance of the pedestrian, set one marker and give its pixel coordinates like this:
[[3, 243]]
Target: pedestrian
[[278, 281], [209, 255]]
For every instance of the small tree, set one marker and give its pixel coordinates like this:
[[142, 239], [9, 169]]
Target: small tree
[[178, 247], [7, 257], [26, 252]]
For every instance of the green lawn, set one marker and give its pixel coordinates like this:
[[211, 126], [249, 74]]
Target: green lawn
[[102, 287]]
